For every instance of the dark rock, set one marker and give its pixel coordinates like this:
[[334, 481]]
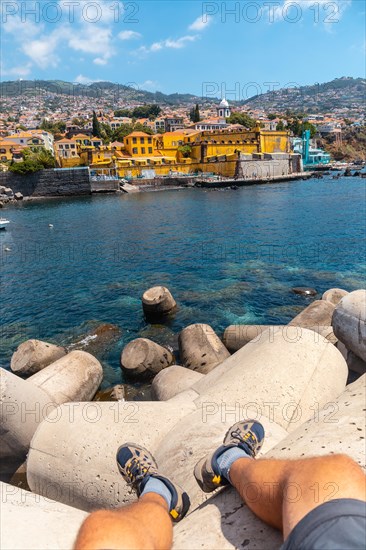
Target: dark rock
[[304, 291], [98, 340], [18, 196], [117, 393]]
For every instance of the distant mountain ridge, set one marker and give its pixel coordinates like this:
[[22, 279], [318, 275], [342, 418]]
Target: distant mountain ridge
[[345, 92], [96, 89]]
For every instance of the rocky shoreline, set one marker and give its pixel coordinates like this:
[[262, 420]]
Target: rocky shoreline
[[63, 432]]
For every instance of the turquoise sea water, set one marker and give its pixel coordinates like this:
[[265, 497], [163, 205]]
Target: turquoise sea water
[[227, 256]]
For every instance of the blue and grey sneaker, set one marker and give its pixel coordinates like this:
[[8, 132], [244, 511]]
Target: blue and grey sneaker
[[248, 435], [137, 466]]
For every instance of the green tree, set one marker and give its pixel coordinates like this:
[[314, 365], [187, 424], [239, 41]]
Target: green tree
[[97, 131], [196, 114], [280, 126], [308, 126], [185, 150], [53, 128], [121, 132], [243, 119], [271, 116], [123, 113], [138, 127], [35, 159]]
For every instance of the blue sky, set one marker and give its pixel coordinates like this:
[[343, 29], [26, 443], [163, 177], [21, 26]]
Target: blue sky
[[213, 48]]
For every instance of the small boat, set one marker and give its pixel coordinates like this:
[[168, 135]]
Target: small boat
[[3, 223]]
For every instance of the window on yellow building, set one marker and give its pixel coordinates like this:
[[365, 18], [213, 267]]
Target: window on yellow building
[[142, 150], [135, 151], [150, 150], [149, 140], [142, 140], [134, 140]]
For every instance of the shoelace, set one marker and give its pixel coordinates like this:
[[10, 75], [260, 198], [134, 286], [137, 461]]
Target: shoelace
[[249, 439], [136, 471]]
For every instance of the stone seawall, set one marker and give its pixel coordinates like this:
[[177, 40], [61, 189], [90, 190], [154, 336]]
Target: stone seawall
[[49, 183]]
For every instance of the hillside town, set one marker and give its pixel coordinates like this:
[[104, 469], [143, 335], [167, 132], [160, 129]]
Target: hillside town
[[123, 137]]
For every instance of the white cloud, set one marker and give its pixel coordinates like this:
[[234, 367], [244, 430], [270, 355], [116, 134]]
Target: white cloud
[[129, 35], [81, 79], [177, 44], [100, 61], [42, 50], [200, 23], [149, 85], [20, 71]]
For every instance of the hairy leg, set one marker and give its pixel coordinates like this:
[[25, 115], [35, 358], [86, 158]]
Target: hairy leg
[[282, 492], [144, 525]]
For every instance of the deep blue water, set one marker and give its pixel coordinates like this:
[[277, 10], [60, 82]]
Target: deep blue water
[[227, 257]]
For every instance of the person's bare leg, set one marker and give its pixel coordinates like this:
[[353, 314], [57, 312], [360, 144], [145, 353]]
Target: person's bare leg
[[144, 525], [282, 492]]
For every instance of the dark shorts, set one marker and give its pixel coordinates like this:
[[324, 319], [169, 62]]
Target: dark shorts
[[335, 525]]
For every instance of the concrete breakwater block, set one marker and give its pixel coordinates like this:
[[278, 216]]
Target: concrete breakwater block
[[354, 363], [319, 313], [201, 432], [282, 381], [173, 380], [22, 407], [237, 336], [224, 521], [349, 322], [157, 302], [34, 355], [201, 349], [144, 357], [74, 449], [334, 295], [26, 403], [282, 376], [338, 427], [31, 522], [74, 377]]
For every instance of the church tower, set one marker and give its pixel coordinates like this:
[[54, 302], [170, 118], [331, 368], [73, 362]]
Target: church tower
[[223, 110]]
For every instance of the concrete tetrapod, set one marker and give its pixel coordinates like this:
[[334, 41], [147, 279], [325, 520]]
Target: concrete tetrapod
[[173, 380], [338, 427], [34, 355], [282, 377], [201, 349], [157, 302], [319, 313], [349, 322], [74, 449], [144, 357], [199, 433], [23, 527], [74, 377], [237, 336], [22, 407], [354, 363], [334, 295], [224, 521]]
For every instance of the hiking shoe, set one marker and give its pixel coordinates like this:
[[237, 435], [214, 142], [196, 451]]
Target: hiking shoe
[[137, 465], [248, 435]]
